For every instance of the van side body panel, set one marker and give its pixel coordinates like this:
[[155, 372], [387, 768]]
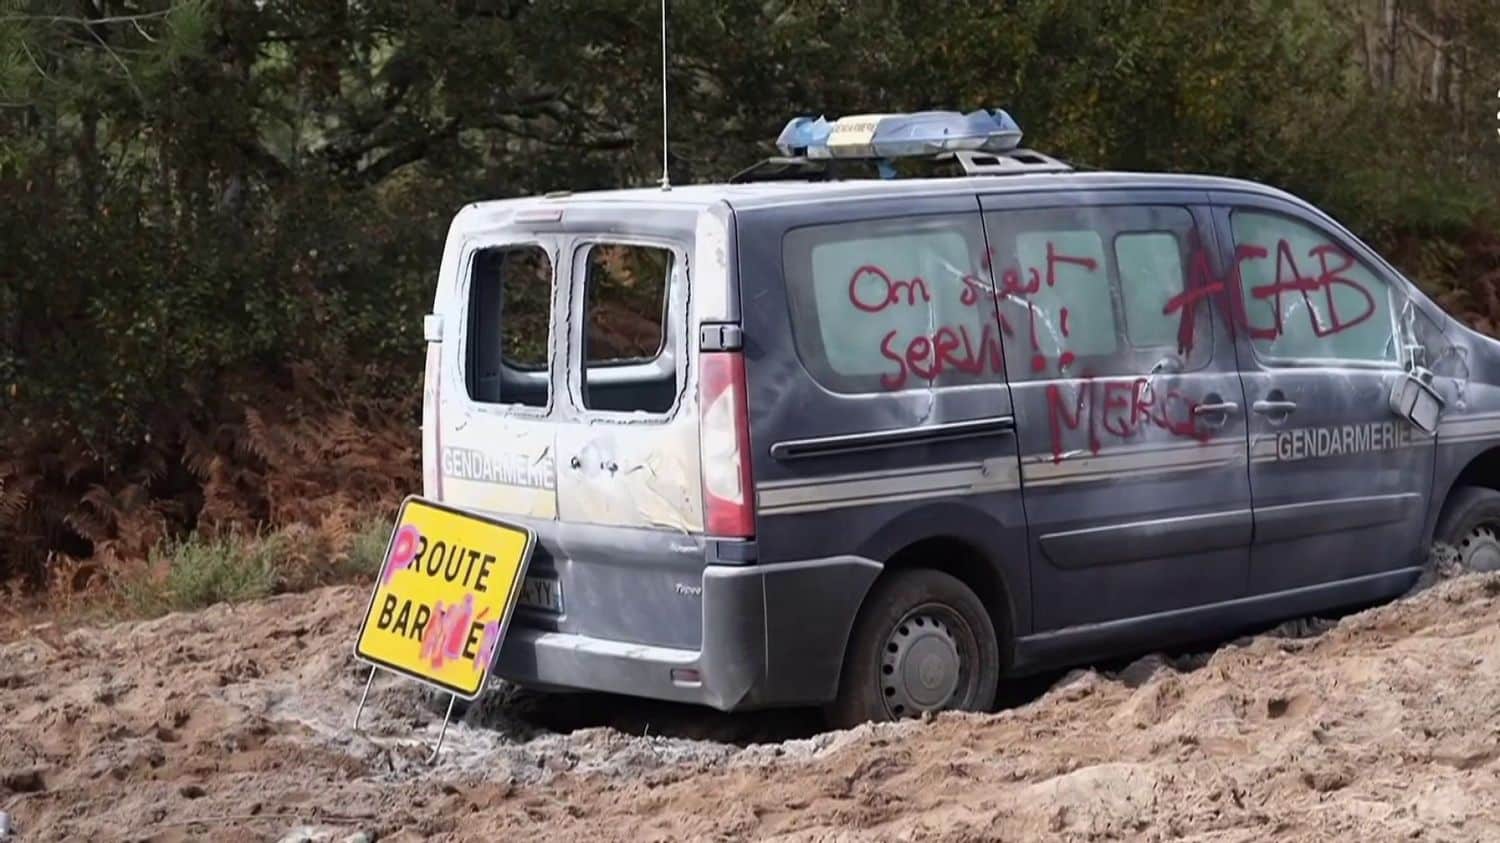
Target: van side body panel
[[874, 472]]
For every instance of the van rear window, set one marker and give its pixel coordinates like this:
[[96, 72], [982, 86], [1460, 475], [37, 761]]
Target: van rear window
[[627, 297], [626, 365], [510, 307]]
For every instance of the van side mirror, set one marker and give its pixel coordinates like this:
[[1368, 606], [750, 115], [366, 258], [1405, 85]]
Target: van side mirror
[[1415, 399]]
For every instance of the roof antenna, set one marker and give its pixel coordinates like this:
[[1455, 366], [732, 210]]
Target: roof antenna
[[666, 178]]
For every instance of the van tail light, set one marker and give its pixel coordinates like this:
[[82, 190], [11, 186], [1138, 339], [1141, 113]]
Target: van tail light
[[724, 434]]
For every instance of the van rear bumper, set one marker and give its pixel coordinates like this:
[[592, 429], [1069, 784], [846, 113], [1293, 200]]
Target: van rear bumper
[[773, 635]]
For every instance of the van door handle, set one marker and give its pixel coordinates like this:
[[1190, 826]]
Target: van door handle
[[1274, 408], [1216, 409]]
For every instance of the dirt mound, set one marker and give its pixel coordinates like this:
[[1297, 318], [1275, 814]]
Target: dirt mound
[[234, 723]]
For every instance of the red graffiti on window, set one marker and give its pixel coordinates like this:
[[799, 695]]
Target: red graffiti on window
[[1205, 285], [961, 347], [884, 291], [972, 349], [928, 356]]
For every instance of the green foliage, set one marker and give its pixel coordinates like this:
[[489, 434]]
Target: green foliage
[[366, 551], [200, 571], [200, 195]]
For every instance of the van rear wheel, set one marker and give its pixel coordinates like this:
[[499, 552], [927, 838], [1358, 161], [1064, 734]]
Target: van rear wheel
[[923, 642]]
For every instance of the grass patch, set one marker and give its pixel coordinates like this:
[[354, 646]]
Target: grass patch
[[203, 569], [366, 551], [199, 571]]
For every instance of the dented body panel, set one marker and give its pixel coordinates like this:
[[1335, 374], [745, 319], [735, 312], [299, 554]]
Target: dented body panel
[[1129, 410]]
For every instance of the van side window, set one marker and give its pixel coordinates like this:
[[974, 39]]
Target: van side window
[[510, 307], [1151, 273], [1097, 291], [1307, 298], [893, 304], [625, 329], [1071, 309]]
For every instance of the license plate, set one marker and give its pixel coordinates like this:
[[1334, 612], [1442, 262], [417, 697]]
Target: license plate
[[544, 593]]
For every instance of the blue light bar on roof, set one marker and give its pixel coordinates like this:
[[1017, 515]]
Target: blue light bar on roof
[[900, 135]]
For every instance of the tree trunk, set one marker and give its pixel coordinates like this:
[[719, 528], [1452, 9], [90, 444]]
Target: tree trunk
[[1391, 25]]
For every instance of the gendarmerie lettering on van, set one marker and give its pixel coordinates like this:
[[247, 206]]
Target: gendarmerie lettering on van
[[1348, 439], [501, 468], [877, 443]]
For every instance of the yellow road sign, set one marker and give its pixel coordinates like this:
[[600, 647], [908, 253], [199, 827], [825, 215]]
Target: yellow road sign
[[445, 595]]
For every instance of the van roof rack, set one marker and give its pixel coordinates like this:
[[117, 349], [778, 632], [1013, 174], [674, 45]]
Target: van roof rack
[[968, 162]]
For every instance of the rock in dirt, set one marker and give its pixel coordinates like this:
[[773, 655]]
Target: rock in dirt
[[29, 780], [305, 834]]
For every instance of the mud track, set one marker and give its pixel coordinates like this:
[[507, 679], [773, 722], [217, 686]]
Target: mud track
[[232, 724]]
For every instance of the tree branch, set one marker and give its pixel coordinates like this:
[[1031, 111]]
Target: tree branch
[[84, 21], [405, 153]]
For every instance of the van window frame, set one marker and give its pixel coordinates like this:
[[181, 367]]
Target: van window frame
[[1123, 202], [666, 301], [1376, 268], [675, 343], [464, 294]]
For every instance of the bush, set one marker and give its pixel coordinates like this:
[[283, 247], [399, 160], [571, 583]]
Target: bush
[[200, 571]]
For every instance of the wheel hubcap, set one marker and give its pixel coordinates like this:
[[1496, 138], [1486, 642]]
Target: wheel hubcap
[[921, 669], [1480, 549]]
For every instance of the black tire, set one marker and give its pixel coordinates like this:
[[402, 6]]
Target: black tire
[[898, 663], [1470, 523]]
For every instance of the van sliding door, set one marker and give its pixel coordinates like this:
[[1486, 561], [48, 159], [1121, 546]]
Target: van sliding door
[[1128, 403]]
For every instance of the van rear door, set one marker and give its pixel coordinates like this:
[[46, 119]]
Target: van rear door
[[491, 386], [576, 415]]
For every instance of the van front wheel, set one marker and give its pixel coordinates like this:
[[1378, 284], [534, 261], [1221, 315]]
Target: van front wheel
[[923, 642], [1470, 523]]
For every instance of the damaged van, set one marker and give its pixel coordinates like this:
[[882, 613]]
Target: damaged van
[[909, 410]]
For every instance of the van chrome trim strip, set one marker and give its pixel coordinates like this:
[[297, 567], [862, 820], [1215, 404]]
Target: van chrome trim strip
[[834, 492], [865, 475], [1469, 428], [1044, 470], [793, 449], [993, 475]]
